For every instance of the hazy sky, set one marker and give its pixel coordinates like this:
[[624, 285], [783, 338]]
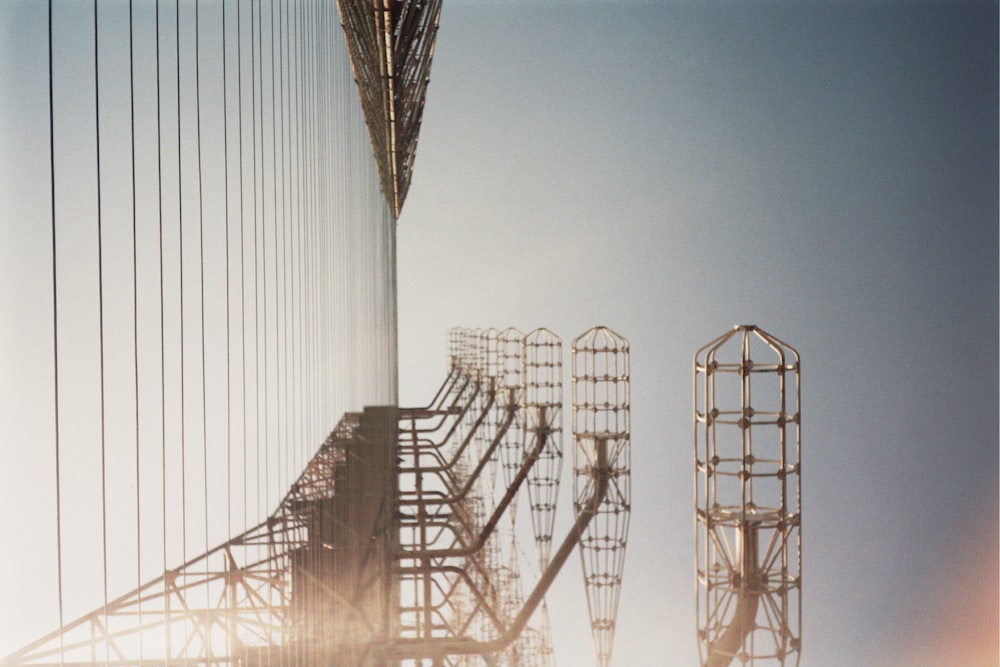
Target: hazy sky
[[826, 170]]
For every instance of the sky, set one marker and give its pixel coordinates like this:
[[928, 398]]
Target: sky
[[825, 170]]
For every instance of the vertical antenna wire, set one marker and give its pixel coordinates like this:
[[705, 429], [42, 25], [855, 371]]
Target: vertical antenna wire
[[323, 228], [295, 214], [305, 158], [301, 218], [256, 282], [268, 392], [243, 302], [263, 250], [274, 252], [280, 259], [318, 212], [296, 162], [282, 104], [328, 214], [308, 246], [55, 339], [297, 396], [316, 353], [100, 307], [305, 213], [225, 218], [180, 256], [318, 193], [135, 324], [163, 361], [225, 187], [291, 36], [282, 38], [201, 272], [285, 222]]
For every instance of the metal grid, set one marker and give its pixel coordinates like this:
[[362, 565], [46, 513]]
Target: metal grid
[[602, 448], [236, 602], [338, 575], [392, 45], [465, 600], [543, 398], [748, 515]]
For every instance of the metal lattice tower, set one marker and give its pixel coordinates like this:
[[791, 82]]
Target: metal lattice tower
[[394, 547], [542, 376], [463, 599], [602, 442], [748, 500]]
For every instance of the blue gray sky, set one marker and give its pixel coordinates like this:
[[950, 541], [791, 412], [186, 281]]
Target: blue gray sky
[[826, 170]]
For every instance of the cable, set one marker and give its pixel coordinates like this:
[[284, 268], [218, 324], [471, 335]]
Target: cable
[[55, 339], [163, 356], [243, 303], [180, 228], [135, 322], [225, 168], [274, 229], [263, 227], [256, 244], [284, 248], [100, 301], [201, 271]]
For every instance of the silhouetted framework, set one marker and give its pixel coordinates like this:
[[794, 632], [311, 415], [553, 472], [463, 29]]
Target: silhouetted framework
[[397, 545], [601, 435], [462, 590], [748, 502], [310, 585]]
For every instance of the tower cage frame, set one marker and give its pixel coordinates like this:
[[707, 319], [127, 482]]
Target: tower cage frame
[[747, 460]]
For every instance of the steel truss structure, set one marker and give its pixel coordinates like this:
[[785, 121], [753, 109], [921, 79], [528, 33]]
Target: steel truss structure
[[748, 500], [392, 45], [397, 543], [272, 595], [601, 437], [463, 600]]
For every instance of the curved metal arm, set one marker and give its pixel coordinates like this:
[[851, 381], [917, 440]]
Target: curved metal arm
[[440, 647], [724, 649], [413, 414], [484, 459], [501, 507]]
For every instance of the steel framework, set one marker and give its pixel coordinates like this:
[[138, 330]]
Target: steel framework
[[397, 545], [601, 435], [462, 591], [748, 500], [392, 45], [271, 595]]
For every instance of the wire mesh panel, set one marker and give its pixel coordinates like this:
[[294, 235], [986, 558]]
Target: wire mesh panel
[[465, 599], [602, 443], [510, 360], [543, 397], [748, 516]]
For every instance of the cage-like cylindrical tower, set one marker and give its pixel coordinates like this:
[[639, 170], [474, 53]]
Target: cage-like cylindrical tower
[[748, 500], [602, 444], [543, 398]]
